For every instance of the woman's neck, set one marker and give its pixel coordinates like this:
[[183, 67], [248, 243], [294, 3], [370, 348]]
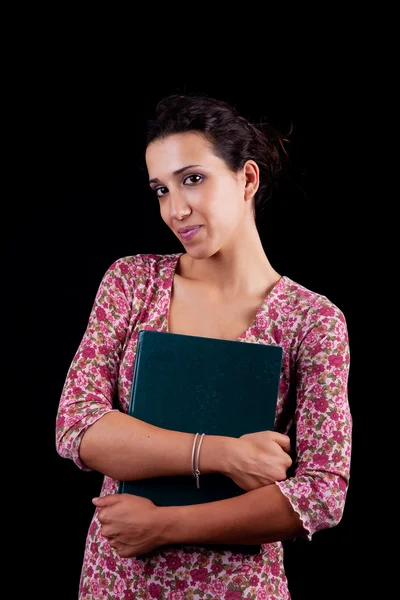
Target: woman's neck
[[241, 269]]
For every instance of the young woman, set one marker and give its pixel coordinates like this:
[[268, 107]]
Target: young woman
[[209, 168]]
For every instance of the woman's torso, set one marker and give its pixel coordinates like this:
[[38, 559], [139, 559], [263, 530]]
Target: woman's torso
[[173, 572]]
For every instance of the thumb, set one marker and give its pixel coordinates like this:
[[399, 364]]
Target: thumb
[[283, 441], [107, 500]]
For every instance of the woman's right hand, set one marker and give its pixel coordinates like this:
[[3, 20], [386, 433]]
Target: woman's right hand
[[258, 459]]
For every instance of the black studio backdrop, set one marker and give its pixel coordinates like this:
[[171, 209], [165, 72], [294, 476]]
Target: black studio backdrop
[[91, 204]]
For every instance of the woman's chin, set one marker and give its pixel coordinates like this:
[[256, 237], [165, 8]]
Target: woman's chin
[[197, 253]]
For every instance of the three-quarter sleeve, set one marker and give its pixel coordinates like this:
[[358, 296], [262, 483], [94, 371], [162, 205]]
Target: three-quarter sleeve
[[317, 491], [91, 382]]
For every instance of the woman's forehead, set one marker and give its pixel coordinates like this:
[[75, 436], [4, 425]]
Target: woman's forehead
[[176, 151]]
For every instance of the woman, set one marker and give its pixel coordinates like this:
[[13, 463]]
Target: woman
[[209, 168]]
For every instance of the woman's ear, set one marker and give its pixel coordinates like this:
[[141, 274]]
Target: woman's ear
[[252, 179]]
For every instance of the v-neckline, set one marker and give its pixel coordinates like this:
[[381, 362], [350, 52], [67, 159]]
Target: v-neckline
[[173, 264]]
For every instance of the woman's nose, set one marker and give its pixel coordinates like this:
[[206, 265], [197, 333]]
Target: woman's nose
[[179, 206]]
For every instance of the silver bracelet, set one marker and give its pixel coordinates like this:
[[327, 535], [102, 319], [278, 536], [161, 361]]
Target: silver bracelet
[[193, 451], [197, 468]]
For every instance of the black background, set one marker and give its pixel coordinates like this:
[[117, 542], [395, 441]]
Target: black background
[[86, 202]]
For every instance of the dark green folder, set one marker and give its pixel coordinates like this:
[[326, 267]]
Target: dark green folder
[[206, 385]]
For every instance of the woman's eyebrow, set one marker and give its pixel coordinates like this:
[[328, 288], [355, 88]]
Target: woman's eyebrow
[[177, 172]]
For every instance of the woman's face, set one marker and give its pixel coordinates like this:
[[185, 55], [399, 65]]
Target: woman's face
[[201, 200]]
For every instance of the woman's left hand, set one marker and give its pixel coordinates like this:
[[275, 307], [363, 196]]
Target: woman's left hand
[[131, 524]]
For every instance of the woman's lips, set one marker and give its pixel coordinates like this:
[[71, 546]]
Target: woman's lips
[[189, 234]]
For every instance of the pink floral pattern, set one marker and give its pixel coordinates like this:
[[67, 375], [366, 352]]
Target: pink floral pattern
[[134, 294]]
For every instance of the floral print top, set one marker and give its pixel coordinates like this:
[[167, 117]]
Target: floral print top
[[135, 294]]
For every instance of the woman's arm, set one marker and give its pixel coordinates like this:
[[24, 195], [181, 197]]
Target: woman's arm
[[317, 491], [257, 517], [88, 429], [135, 526], [126, 448]]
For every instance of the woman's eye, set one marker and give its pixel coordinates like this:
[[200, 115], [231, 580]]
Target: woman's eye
[[193, 179], [188, 180], [161, 191]]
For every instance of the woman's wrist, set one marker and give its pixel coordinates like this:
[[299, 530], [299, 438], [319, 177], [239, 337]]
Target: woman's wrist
[[167, 519], [215, 455]]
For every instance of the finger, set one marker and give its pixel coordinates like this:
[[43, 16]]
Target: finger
[[104, 517], [108, 532], [289, 462], [108, 500], [283, 440], [125, 550]]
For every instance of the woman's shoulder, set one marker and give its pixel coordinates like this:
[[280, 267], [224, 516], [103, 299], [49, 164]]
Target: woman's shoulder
[[146, 264], [308, 301]]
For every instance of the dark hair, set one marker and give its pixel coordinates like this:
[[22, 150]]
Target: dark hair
[[234, 139]]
